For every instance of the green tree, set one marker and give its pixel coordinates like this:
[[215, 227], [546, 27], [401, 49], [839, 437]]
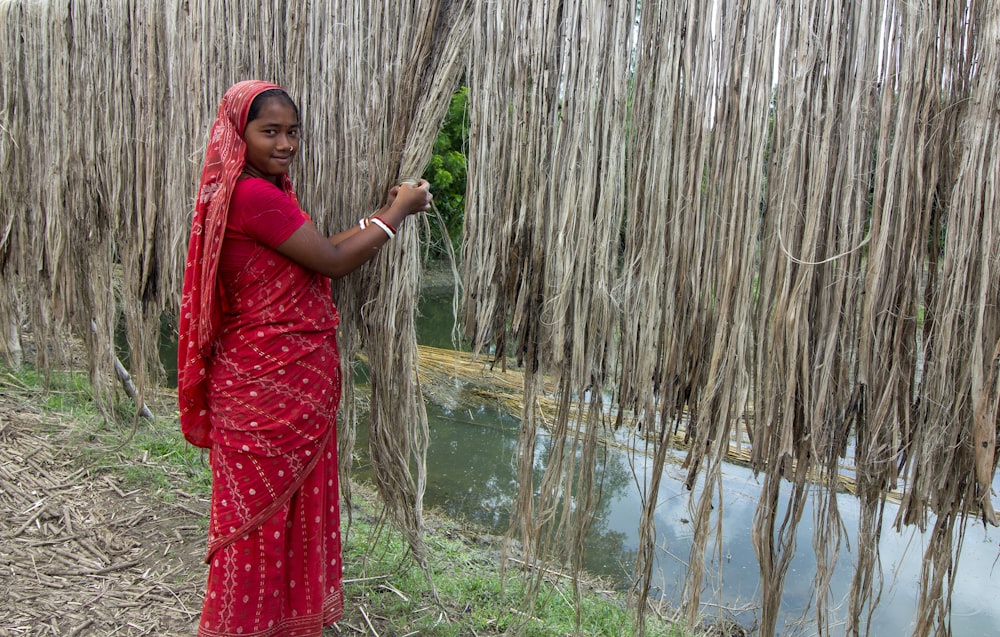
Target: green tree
[[446, 172]]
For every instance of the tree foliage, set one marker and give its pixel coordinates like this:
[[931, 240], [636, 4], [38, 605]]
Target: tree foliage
[[446, 172]]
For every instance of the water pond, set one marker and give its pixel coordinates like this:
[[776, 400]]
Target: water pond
[[471, 476]]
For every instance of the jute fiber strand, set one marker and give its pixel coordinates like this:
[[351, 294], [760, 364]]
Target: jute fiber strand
[[806, 239], [772, 220], [513, 103], [908, 166], [404, 75], [952, 456], [67, 199], [104, 112], [651, 388], [105, 108], [813, 244], [693, 221], [550, 87]]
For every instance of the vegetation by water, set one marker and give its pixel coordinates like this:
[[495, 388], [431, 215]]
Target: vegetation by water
[[388, 594]]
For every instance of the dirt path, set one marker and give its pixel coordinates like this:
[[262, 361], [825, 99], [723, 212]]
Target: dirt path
[[81, 556]]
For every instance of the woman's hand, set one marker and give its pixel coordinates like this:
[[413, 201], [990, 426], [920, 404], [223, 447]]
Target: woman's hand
[[411, 197], [345, 252]]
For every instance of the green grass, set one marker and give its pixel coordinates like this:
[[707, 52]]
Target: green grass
[[474, 600]]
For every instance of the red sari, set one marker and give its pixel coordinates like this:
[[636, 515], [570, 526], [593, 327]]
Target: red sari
[[259, 384]]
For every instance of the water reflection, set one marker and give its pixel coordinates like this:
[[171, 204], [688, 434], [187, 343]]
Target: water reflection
[[471, 475]]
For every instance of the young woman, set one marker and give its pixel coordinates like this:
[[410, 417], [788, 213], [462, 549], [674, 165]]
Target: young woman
[[259, 373]]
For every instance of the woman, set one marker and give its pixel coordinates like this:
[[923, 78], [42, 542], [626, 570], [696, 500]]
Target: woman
[[259, 373]]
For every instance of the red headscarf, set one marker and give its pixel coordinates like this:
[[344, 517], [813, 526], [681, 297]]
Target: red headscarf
[[201, 311]]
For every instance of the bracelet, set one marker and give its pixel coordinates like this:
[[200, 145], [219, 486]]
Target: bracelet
[[391, 227], [363, 222], [388, 229]]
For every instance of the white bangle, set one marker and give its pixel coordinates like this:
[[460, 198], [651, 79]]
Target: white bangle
[[363, 222], [385, 227]]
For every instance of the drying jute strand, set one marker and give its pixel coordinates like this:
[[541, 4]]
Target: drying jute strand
[[104, 112], [790, 264], [771, 223]]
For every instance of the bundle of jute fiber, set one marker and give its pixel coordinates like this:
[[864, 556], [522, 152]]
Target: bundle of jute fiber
[[951, 456], [509, 115], [79, 228], [120, 101], [780, 246], [815, 241], [120, 96], [692, 226], [374, 119], [547, 160], [908, 168]]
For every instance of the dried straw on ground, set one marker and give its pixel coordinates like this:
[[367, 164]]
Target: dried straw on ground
[[83, 554], [771, 215]]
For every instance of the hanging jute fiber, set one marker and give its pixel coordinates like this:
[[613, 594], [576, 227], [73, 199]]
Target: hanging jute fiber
[[768, 222], [807, 250], [104, 113]]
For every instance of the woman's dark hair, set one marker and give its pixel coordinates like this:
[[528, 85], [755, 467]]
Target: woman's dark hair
[[273, 93]]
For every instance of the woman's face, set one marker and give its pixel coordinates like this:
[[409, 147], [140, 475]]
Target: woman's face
[[272, 138]]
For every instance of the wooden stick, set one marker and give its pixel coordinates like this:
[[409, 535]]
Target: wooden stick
[[127, 383], [368, 621], [130, 389], [100, 571], [79, 629]]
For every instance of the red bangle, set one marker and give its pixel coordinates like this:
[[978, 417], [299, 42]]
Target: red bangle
[[386, 223], [388, 229]]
